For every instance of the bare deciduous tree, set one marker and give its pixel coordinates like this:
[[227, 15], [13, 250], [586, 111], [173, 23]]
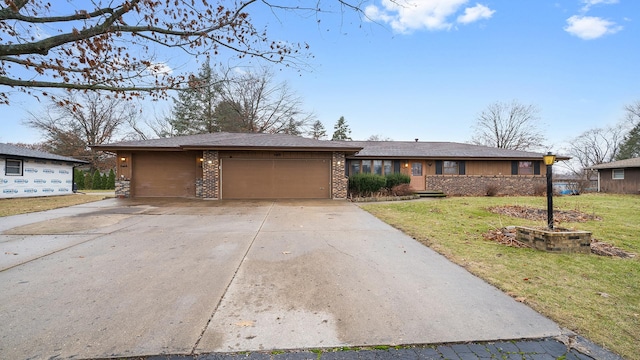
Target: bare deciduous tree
[[92, 118], [509, 126], [593, 147], [113, 45], [261, 105]]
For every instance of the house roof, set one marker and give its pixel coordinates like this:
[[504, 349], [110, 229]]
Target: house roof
[[8, 150], [627, 163], [440, 150], [233, 141], [358, 149]]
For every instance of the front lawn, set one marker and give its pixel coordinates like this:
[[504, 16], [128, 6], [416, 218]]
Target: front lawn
[[16, 206], [597, 297]]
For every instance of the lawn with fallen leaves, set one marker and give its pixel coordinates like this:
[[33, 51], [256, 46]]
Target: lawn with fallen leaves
[[16, 206], [596, 296]]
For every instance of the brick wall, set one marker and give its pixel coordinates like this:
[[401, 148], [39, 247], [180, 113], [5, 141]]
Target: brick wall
[[210, 174], [123, 188], [339, 181], [560, 240], [477, 185]]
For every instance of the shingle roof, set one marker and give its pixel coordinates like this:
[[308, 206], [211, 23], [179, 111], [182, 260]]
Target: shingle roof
[[379, 149], [18, 151], [224, 140], [440, 150], [627, 163]]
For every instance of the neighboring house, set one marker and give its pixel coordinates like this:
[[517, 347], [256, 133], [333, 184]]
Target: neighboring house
[[30, 173], [268, 166], [619, 177]]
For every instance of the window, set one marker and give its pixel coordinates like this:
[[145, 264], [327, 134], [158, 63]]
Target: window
[[388, 167], [451, 167], [377, 167], [13, 167], [617, 174], [355, 167], [366, 166], [525, 167], [416, 169]]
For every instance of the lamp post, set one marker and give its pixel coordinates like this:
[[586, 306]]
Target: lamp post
[[549, 159]]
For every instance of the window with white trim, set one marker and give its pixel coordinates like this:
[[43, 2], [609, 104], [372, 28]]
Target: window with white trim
[[617, 174], [13, 167]]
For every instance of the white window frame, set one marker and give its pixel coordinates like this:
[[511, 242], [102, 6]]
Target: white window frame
[[617, 174], [6, 167]]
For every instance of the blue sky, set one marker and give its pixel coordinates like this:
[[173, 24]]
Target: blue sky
[[425, 70]]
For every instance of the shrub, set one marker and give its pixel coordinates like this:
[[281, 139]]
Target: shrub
[[88, 181], [540, 189], [491, 190], [366, 184], [402, 190], [396, 179]]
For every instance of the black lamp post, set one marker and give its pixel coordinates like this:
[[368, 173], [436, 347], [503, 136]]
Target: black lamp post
[[549, 159]]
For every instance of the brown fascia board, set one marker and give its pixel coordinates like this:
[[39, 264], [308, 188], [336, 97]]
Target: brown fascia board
[[415, 157]]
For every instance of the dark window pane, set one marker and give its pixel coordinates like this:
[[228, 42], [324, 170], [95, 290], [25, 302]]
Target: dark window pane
[[366, 166], [451, 167], [377, 167], [416, 169]]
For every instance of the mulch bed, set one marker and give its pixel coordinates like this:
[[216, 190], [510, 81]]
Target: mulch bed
[[507, 236]]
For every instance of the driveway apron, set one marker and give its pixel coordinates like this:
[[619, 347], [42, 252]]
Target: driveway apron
[[131, 278]]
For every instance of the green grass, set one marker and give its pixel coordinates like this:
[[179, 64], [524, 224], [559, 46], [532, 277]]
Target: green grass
[[567, 288]]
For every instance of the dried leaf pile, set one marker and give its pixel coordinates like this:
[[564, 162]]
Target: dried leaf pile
[[525, 212]]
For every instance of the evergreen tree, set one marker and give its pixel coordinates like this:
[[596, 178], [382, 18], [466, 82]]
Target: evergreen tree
[[88, 181], [111, 182], [78, 178], [194, 108], [341, 130], [318, 131], [630, 147], [104, 182], [97, 180]]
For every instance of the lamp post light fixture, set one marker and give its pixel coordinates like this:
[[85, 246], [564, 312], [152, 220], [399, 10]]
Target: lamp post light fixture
[[549, 159]]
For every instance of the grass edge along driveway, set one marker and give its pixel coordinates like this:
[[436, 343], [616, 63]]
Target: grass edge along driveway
[[17, 206], [594, 296]]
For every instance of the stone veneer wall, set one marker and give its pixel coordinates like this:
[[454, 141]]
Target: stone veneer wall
[[339, 181], [210, 174], [199, 188], [477, 185], [123, 188]]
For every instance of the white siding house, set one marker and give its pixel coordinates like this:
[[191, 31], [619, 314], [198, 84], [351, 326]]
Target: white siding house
[[30, 173]]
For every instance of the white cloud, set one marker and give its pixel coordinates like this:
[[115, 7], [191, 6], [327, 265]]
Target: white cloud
[[160, 68], [589, 3], [408, 15], [475, 13], [590, 27]]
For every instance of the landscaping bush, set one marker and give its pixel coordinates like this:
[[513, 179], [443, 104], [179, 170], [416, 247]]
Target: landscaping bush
[[78, 178], [96, 183], [402, 190], [396, 179], [491, 190], [111, 181], [366, 184]]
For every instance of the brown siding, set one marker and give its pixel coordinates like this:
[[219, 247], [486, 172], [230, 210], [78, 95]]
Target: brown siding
[[274, 155], [488, 167], [629, 185]]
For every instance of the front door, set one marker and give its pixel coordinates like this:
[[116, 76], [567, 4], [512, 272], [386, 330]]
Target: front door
[[417, 176]]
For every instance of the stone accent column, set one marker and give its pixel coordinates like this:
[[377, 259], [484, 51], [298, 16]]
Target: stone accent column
[[123, 189], [210, 175], [339, 182], [199, 188]]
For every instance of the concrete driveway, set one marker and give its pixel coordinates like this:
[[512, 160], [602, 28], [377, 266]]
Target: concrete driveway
[[128, 278]]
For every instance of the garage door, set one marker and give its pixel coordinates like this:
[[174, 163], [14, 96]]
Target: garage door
[[164, 174], [276, 179]]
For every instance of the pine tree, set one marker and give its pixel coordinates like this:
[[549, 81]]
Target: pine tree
[[630, 147], [88, 181], [97, 180], [341, 130], [318, 131], [111, 182], [78, 178], [194, 108]]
